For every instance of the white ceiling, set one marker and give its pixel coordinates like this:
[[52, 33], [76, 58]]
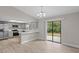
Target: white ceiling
[[50, 10]]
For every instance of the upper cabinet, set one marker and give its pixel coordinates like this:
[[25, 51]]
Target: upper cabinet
[[32, 26], [16, 25], [1, 26]]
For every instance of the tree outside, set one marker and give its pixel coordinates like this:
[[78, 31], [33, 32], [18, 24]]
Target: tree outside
[[56, 28]]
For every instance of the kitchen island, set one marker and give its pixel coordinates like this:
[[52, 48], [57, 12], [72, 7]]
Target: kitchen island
[[28, 36]]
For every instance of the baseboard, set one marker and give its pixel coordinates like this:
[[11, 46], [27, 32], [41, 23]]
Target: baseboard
[[41, 38], [71, 45]]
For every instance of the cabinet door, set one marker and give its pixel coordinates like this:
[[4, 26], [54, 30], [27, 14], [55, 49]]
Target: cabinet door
[[33, 26], [1, 26], [5, 34], [22, 26], [1, 35], [6, 27], [27, 27]]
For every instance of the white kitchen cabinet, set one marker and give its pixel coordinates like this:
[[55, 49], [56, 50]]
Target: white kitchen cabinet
[[1, 35], [28, 36], [1, 26], [10, 34], [32, 26]]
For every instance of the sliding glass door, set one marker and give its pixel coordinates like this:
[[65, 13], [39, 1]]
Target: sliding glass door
[[54, 31], [49, 30]]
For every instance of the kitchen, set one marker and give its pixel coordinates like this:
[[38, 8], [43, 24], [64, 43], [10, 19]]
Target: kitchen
[[12, 29]]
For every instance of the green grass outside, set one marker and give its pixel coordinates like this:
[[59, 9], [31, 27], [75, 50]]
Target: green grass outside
[[54, 34]]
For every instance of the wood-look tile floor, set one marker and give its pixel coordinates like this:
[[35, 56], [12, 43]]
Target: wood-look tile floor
[[37, 46]]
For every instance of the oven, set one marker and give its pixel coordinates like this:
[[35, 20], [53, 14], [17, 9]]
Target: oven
[[15, 32]]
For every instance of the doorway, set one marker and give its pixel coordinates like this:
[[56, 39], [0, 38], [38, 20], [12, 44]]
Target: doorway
[[54, 31]]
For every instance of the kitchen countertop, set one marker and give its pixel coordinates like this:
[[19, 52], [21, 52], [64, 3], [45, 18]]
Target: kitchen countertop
[[29, 32]]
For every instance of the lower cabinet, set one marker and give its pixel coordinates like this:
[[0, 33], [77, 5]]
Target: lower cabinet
[[28, 37], [1, 35], [4, 35], [10, 34]]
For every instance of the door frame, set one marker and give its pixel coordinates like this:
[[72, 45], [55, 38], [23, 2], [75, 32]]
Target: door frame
[[52, 31]]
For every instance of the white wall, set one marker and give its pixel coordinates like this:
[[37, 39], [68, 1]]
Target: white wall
[[70, 30], [42, 29]]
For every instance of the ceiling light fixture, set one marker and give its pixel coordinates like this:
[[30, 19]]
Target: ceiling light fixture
[[42, 13]]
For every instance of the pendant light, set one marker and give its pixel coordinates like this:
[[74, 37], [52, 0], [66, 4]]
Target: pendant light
[[42, 13]]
